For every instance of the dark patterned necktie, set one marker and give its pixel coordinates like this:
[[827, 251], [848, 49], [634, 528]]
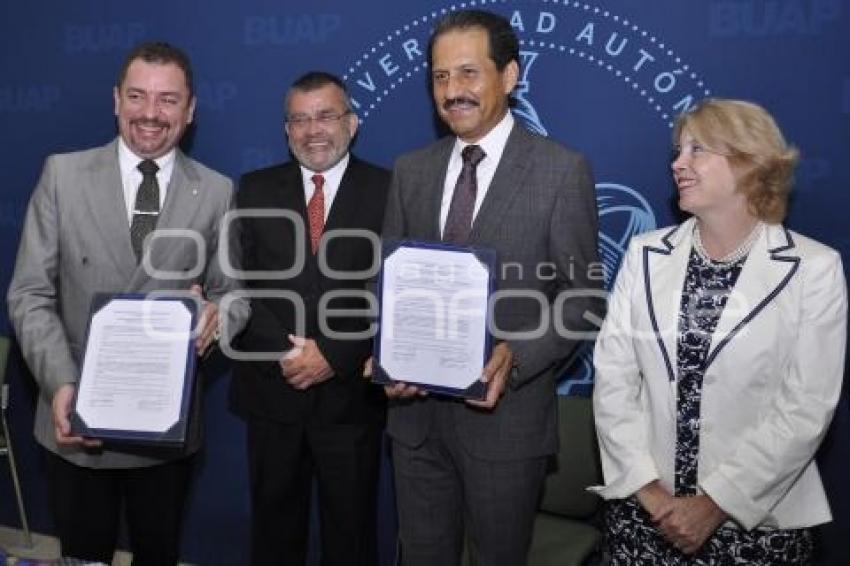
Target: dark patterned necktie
[[459, 220], [146, 211], [316, 212]]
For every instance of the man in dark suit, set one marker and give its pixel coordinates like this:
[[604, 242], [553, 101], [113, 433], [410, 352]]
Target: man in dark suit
[[478, 466], [89, 229], [308, 409]]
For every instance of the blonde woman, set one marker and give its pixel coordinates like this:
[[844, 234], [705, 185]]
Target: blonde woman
[[720, 362]]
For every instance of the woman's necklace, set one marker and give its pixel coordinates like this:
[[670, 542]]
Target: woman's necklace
[[735, 255]]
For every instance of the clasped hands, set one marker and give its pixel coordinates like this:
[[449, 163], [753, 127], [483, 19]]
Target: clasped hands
[[304, 365], [495, 375], [685, 522]]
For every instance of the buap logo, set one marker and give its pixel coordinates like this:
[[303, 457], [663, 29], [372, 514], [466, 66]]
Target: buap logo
[[215, 95], [29, 98], [773, 18], [566, 46], [291, 29], [102, 37]]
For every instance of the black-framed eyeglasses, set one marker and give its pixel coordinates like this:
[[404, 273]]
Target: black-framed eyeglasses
[[300, 121]]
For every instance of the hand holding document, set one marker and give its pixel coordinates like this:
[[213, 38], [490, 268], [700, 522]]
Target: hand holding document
[[138, 363], [433, 317], [61, 407]]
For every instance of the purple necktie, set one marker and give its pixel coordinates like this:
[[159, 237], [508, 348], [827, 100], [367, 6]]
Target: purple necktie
[[459, 220]]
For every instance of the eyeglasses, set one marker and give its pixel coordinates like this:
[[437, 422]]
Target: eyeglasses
[[325, 119]]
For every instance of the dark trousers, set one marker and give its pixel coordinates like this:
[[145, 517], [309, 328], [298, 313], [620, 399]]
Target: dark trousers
[[86, 504], [283, 459], [444, 496]]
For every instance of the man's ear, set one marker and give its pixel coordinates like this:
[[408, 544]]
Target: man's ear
[[510, 76], [353, 123], [192, 104]]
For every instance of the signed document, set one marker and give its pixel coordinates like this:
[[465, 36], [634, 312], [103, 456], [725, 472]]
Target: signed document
[[138, 362], [433, 329]]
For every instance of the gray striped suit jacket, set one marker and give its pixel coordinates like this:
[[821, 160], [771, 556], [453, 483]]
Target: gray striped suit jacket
[[539, 214]]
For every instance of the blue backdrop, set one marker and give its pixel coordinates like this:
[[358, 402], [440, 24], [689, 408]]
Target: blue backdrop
[[606, 77]]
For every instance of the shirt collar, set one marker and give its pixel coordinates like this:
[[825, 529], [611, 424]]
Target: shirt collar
[[493, 143], [333, 176], [129, 160]]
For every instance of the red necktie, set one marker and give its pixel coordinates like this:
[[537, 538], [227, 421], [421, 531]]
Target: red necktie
[[316, 212]]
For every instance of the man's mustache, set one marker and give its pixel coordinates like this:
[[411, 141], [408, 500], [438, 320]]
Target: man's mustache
[[322, 138], [146, 122], [447, 105]]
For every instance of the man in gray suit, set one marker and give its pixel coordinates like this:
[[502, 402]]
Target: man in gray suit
[[87, 230], [477, 467]]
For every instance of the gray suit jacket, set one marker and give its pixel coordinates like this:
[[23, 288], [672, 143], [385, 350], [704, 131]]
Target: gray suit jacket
[[76, 242], [539, 214]]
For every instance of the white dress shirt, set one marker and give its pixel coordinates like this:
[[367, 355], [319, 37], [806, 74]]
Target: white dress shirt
[[493, 145], [131, 177], [333, 177]]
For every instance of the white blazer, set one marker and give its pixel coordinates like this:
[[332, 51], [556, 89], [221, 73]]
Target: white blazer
[[772, 380]]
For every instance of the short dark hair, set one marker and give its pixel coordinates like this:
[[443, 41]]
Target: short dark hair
[[161, 53], [314, 80], [504, 44]]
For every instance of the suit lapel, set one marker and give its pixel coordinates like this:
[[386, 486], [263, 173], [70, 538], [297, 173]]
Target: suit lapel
[[770, 266], [105, 200], [182, 201], [343, 212], [183, 198], [664, 268], [346, 200], [505, 185], [434, 180], [289, 195]]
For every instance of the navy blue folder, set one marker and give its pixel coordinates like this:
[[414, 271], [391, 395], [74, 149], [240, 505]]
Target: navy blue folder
[[176, 435], [487, 258]]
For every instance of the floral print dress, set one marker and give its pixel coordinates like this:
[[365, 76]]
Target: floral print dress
[[631, 538]]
